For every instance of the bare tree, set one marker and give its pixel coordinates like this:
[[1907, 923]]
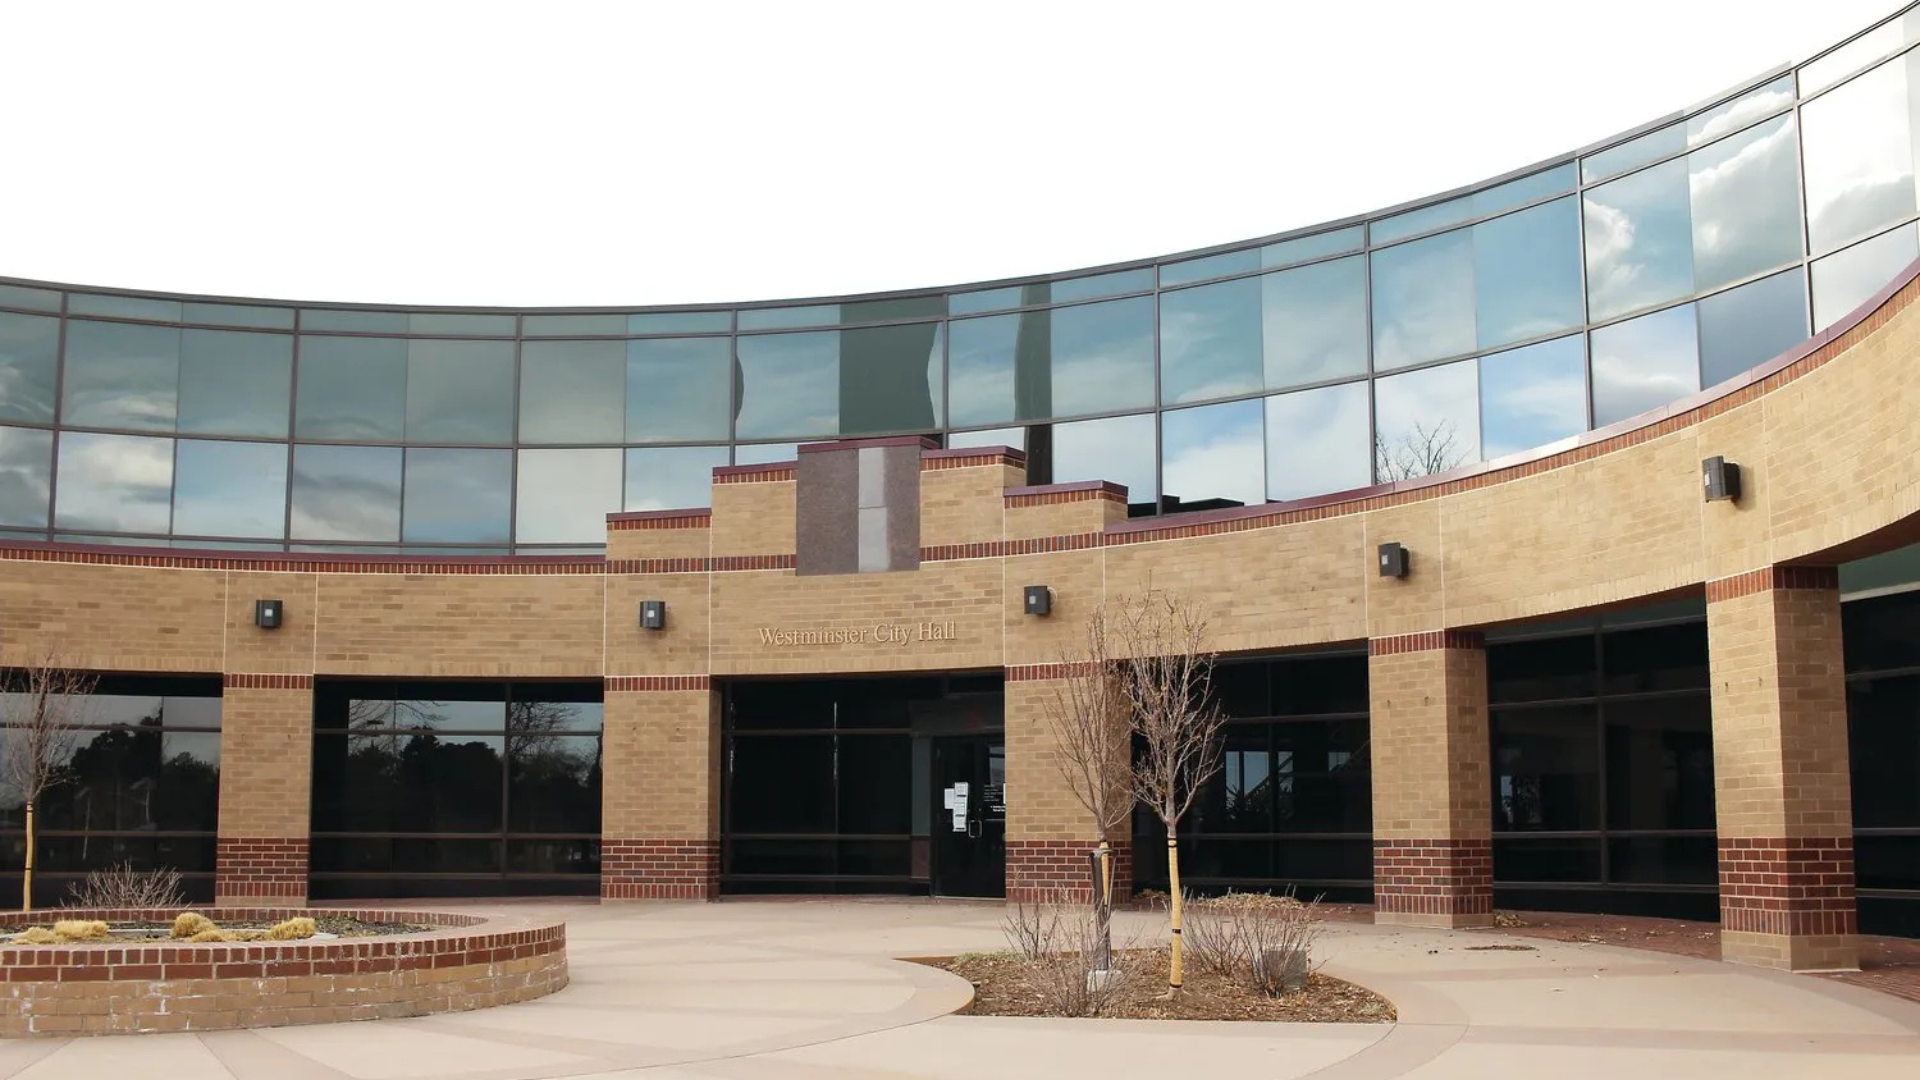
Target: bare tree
[[1420, 452], [45, 705]]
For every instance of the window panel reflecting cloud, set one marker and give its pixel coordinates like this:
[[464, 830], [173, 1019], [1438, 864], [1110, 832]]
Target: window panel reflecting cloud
[[1745, 194], [1741, 111], [1423, 300], [764, 453], [789, 385], [1750, 325], [1119, 449], [1848, 278], [672, 477], [1526, 273], [1214, 452], [26, 467], [1644, 363], [1102, 357], [230, 488], [892, 378], [351, 389], [460, 391], [1639, 241], [678, 389], [566, 495], [1317, 441], [114, 483], [235, 383], [1532, 396], [29, 357], [1858, 144], [573, 391], [1314, 322], [457, 496], [346, 493], [121, 376], [1426, 421], [1210, 341], [1015, 437]]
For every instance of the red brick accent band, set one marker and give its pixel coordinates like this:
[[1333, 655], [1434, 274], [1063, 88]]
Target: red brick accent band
[[1054, 494], [660, 519], [1426, 642], [1045, 672], [1772, 578], [1059, 870], [772, 472], [655, 684], [304, 563], [236, 681], [694, 564], [753, 562], [252, 867], [1433, 877], [659, 869], [1800, 886], [995, 549]]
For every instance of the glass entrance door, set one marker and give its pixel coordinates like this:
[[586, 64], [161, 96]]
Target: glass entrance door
[[970, 816]]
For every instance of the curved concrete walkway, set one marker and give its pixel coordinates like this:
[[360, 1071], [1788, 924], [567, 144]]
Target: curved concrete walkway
[[809, 991]]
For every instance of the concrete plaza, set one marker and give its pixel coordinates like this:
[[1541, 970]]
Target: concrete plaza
[[810, 990]]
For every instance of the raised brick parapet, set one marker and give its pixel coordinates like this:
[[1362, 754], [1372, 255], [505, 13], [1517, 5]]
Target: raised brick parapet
[[1444, 882], [1050, 870], [659, 869], [251, 869]]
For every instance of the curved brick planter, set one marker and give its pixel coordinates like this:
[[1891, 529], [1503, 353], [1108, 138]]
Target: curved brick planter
[[469, 962]]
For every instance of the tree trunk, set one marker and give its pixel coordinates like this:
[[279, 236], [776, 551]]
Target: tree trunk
[[1103, 906], [26, 879], [1174, 912]]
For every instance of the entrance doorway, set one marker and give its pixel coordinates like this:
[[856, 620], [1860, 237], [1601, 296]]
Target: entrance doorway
[[970, 816]]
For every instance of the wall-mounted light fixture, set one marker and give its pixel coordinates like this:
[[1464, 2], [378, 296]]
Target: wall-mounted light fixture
[[653, 614], [1039, 600], [1720, 479], [266, 614], [1395, 560]]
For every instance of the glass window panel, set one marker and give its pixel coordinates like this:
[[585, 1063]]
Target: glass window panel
[[1653, 659], [680, 322], [1526, 272], [1425, 219], [672, 477], [1546, 769], [458, 496], [230, 488], [351, 389], [1426, 421], [361, 322], [1527, 189], [895, 309], [1542, 669], [1731, 116], [1015, 437], [1660, 764], [460, 391], [553, 783], [678, 388], [29, 359], [1423, 304], [1848, 278], [973, 303], [1303, 248], [1750, 325], [1532, 396], [427, 322], [1210, 341], [115, 483], [1845, 60], [784, 318], [1093, 288], [1644, 363], [1119, 449], [31, 299], [1215, 452], [1317, 442], [572, 325], [891, 379], [982, 365], [1634, 153], [1314, 323], [1884, 736], [1102, 357], [573, 391], [566, 495], [26, 465], [234, 383], [1211, 266], [764, 453], [789, 385], [1746, 204], [346, 493], [121, 376], [270, 318], [124, 307], [1859, 157], [1639, 241]]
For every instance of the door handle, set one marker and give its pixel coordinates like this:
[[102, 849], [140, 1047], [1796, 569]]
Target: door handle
[[973, 828]]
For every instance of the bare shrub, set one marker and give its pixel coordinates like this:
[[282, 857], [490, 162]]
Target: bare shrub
[[1263, 939], [1033, 928], [121, 886], [1066, 953]]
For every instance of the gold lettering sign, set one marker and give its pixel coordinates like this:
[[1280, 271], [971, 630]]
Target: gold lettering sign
[[878, 634]]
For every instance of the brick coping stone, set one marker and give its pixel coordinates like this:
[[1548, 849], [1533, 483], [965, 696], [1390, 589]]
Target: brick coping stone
[[95, 988]]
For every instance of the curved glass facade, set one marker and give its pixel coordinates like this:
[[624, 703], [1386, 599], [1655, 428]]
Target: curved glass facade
[[1517, 313]]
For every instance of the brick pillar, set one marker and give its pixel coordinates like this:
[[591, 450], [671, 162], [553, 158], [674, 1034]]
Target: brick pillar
[[1049, 831], [1432, 795], [1782, 793], [266, 781], [660, 789]]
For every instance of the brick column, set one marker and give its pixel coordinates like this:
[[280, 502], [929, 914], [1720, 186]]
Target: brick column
[[660, 789], [266, 780], [1782, 793], [1432, 795], [1049, 831]]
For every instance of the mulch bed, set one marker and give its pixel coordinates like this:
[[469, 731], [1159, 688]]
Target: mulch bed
[[1001, 988]]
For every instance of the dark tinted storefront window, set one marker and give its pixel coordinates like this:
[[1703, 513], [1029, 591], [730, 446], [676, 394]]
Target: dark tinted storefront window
[[1883, 724]]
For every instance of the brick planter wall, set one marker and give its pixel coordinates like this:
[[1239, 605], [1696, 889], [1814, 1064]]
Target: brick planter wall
[[108, 988]]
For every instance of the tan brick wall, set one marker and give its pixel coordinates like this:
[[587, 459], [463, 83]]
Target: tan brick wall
[[967, 596], [1076, 512], [475, 625], [956, 505], [266, 762], [287, 649], [123, 618], [684, 540], [661, 765], [679, 649], [753, 518], [1429, 745]]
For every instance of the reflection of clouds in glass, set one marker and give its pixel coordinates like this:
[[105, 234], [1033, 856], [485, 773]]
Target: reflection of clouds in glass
[[1527, 273], [790, 385], [1210, 340], [1217, 452], [1317, 442], [230, 489], [1314, 322], [1437, 405], [1119, 449], [672, 477], [351, 388], [1740, 112], [1533, 396], [1750, 325], [1644, 363], [1859, 156], [26, 459], [573, 391], [458, 496], [346, 493], [1103, 357], [1746, 204], [980, 369], [29, 351], [1846, 279], [566, 495], [115, 483], [121, 375], [678, 388], [1423, 300], [763, 453], [1639, 240], [459, 391]]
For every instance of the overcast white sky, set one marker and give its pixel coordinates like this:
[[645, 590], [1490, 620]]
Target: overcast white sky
[[645, 153]]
